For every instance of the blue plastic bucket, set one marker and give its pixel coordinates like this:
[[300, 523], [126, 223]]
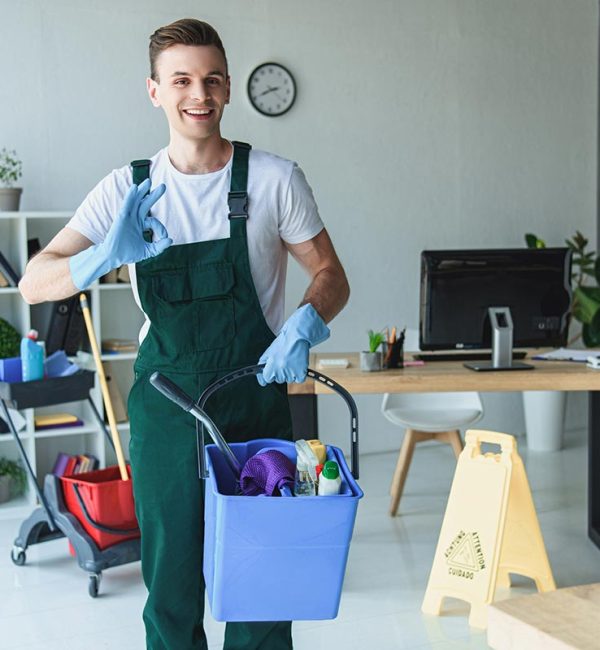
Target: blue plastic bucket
[[275, 558], [270, 558]]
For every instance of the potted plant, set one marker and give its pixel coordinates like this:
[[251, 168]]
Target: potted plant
[[10, 340], [13, 479], [585, 306], [10, 172], [371, 360], [545, 409]]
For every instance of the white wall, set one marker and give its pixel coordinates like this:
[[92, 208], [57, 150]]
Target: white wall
[[419, 123]]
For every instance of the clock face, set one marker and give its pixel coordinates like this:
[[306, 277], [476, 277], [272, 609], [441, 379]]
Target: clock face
[[271, 89]]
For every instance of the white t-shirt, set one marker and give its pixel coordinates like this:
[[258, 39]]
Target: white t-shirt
[[281, 208]]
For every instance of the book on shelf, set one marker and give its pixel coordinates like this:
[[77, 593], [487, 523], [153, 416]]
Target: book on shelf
[[113, 346], [8, 272], [65, 425], [61, 464], [67, 464], [56, 421]]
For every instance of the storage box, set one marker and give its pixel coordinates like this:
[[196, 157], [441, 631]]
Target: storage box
[[108, 501], [46, 392], [275, 558], [10, 369]]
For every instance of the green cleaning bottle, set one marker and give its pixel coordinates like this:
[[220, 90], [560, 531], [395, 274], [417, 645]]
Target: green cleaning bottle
[[330, 479]]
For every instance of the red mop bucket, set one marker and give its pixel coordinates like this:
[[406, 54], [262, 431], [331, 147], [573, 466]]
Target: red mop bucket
[[103, 504]]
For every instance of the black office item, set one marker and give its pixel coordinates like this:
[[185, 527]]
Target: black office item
[[57, 328], [76, 329], [33, 247], [66, 329], [8, 272], [459, 286], [460, 355]]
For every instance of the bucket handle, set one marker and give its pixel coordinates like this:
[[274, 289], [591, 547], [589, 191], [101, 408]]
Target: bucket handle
[[317, 376], [97, 525]]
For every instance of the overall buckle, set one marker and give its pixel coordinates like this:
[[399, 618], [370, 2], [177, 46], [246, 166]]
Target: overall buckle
[[238, 204]]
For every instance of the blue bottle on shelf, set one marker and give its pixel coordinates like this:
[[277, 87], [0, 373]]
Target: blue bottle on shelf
[[32, 357]]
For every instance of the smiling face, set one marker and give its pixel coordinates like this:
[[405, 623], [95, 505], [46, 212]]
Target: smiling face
[[192, 87]]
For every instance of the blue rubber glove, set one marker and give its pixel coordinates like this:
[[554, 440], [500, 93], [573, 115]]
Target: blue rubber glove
[[286, 359], [124, 243]]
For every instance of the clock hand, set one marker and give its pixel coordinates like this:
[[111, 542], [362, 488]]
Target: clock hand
[[270, 89]]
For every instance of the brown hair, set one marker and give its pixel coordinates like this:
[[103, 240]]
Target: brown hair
[[187, 31]]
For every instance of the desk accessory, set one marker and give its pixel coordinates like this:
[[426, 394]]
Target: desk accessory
[[371, 360], [334, 363]]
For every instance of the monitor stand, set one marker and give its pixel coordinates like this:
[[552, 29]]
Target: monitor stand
[[502, 340]]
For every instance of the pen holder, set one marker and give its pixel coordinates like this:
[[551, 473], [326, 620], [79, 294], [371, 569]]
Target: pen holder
[[394, 357]]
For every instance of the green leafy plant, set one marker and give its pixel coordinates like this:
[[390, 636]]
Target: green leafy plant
[[15, 471], [375, 340], [10, 167], [585, 306], [10, 340]]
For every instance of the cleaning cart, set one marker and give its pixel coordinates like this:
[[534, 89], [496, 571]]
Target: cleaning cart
[[96, 543], [267, 558]]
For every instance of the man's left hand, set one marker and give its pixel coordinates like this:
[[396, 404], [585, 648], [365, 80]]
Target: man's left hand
[[286, 359]]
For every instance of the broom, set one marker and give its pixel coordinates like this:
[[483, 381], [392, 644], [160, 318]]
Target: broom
[[112, 423]]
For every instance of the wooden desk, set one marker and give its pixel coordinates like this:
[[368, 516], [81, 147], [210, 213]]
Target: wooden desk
[[446, 376]]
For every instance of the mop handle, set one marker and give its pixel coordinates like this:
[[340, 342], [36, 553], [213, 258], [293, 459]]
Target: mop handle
[[317, 376], [184, 401], [105, 394]]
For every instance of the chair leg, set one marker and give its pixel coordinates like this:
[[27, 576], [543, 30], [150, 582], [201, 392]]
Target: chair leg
[[456, 441], [452, 438], [404, 458]]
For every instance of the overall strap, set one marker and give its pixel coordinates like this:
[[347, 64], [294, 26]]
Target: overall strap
[[140, 170], [238, 194]]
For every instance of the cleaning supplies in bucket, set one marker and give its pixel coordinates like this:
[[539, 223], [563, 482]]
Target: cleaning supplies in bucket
[[306, 470], [330, 479], [32, 357], [269, 472]]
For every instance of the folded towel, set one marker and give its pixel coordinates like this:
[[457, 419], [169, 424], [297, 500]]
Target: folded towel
[[266, 473]]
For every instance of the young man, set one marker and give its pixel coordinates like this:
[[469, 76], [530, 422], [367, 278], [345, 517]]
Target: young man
[[212, 290]]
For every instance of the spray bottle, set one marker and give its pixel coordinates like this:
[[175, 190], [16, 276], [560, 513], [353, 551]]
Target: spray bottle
[[32, 357]]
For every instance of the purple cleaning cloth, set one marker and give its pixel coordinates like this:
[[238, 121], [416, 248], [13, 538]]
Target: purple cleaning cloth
[[266, 472]]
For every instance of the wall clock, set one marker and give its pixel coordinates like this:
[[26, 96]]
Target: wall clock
[[271, 89]]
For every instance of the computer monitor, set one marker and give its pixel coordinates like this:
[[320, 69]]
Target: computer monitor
[[459, 286]]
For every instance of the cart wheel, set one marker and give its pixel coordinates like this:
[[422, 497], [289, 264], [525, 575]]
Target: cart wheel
[[94, 584], [17, 555]]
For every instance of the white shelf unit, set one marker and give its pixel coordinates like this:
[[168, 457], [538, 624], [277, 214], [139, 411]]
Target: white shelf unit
[[114, 315]]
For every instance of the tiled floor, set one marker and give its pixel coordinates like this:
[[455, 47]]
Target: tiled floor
[[45, 603]]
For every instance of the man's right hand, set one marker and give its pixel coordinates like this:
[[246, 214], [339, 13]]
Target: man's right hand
[[124, 243]]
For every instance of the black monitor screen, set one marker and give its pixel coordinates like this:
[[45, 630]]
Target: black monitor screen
[[458, 287]]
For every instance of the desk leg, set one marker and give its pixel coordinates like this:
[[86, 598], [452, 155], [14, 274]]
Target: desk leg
[[594, 468], [305, 424]]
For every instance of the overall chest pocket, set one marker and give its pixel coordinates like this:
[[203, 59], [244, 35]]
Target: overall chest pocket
[[194, 308]]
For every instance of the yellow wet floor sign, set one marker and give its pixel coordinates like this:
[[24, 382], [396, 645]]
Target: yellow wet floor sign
[[490, 529]]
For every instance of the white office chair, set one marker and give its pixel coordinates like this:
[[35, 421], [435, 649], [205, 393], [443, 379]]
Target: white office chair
[[427, 416]]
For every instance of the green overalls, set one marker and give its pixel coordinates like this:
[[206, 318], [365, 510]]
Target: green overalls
[[206, 320]]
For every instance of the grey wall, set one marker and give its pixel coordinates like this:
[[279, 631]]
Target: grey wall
[[419, 123]]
